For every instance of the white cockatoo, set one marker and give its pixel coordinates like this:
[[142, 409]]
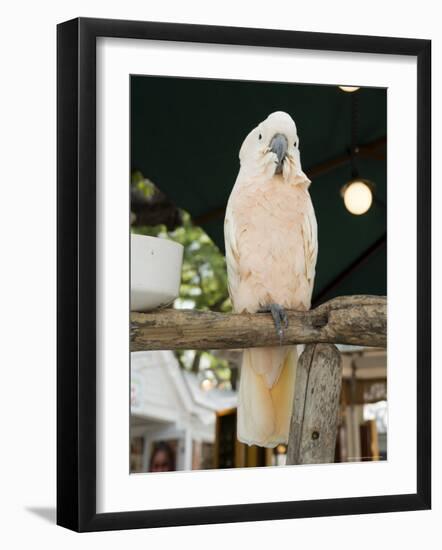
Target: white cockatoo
[[271, 243]]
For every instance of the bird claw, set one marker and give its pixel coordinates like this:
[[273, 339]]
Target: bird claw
[[279, 318]]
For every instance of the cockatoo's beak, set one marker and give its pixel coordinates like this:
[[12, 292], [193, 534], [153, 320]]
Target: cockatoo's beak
[[279, 146]]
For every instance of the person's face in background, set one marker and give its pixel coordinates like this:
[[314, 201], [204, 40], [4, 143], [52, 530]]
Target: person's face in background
[[160, 462]]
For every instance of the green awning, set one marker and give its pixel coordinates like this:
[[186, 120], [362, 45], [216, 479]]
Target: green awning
[[186, 135]]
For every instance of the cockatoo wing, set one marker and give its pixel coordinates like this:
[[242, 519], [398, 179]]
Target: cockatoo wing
[[232, 255], [310, 241]]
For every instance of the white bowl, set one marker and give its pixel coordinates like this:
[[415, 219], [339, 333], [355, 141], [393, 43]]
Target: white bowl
[[155, 272]]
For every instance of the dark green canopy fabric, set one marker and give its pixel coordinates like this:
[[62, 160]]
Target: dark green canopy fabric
[[186, 135]]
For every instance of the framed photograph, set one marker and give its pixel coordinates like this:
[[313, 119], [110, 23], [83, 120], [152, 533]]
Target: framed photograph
[[225, 201]]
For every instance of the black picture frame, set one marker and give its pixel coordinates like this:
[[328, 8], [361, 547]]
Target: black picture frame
[[76, 273]]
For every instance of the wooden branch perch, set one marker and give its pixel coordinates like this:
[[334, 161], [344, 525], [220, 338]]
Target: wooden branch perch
[[357, 320]]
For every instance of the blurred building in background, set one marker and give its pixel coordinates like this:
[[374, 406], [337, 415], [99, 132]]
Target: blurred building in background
[[197, 421], [170, 405], [362, 431]]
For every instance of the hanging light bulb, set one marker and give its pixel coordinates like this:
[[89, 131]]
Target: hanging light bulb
[[281, 449], [358, 192], [207, 384], [358, 196], [349, 89], [208, 380]]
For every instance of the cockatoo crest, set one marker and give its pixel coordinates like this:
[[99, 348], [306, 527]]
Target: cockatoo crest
[[272, 148]]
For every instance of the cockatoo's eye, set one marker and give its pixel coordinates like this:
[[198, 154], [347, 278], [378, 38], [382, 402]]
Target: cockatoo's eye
[[296, 144], [260, 136]]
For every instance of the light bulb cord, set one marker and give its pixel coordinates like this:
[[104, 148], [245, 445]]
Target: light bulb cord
[[354, 128]]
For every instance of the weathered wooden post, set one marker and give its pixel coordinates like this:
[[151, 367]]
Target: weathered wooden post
[[314, 421]]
